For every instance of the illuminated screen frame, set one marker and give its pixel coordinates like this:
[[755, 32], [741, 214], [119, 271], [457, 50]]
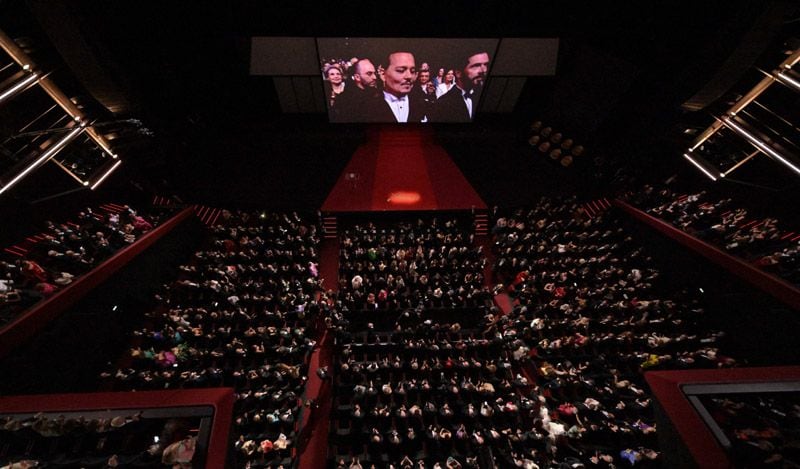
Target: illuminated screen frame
[[425, 50]]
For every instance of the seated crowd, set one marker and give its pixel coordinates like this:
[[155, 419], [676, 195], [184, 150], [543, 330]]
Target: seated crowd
[[556, 382], [720, 222], [63, 252], [426, 372], [595, 313], [240, 315], [404, 265], [418, 388]]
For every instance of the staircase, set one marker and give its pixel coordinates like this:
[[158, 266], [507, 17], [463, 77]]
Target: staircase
[[329, 227], [481, 223], [207, 215], [596, 207]]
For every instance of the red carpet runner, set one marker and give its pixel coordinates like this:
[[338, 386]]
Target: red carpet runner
[[314, 451], [329, 264], [313, 448], [401, 169]]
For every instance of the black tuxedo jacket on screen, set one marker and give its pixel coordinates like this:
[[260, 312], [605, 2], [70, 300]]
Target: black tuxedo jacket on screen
[[378, 110], [450, 107], [352, 104]]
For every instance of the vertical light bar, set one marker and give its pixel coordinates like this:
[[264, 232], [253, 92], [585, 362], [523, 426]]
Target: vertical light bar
[[758, 143], [46, 155], [696, 161], [105, 175], [19, 86]]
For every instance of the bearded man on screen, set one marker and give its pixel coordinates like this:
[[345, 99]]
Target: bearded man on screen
[[461, 102]]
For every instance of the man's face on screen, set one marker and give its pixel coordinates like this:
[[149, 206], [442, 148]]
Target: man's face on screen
[[476, 69], [424, 77], [400, 74], [365, 74]]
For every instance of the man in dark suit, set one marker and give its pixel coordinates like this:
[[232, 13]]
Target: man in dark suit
[[357, 95], [397, 103], [460, 103], [424, 88]]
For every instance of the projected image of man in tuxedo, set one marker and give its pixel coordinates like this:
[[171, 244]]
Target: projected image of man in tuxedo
[[398, 103], [461, 102]]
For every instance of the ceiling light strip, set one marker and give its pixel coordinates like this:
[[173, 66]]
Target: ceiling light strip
[[104, 176], [760, 144], [741, 162], [68, 171], [19, 86], [784, 77], [16, 53], [699, 166], [46, 155], [746, 99]]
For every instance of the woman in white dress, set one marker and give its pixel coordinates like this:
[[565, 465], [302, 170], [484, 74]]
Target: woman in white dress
[[449, 82]]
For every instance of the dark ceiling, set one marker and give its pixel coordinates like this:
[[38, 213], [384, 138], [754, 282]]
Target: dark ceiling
[[217, 135]]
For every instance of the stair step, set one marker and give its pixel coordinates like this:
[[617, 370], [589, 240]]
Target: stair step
[[330, 227]]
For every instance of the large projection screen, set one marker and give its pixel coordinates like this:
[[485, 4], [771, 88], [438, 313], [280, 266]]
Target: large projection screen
[[394, 80]]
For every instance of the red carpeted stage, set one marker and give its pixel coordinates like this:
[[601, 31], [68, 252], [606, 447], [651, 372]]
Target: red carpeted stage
[[401, 168]]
